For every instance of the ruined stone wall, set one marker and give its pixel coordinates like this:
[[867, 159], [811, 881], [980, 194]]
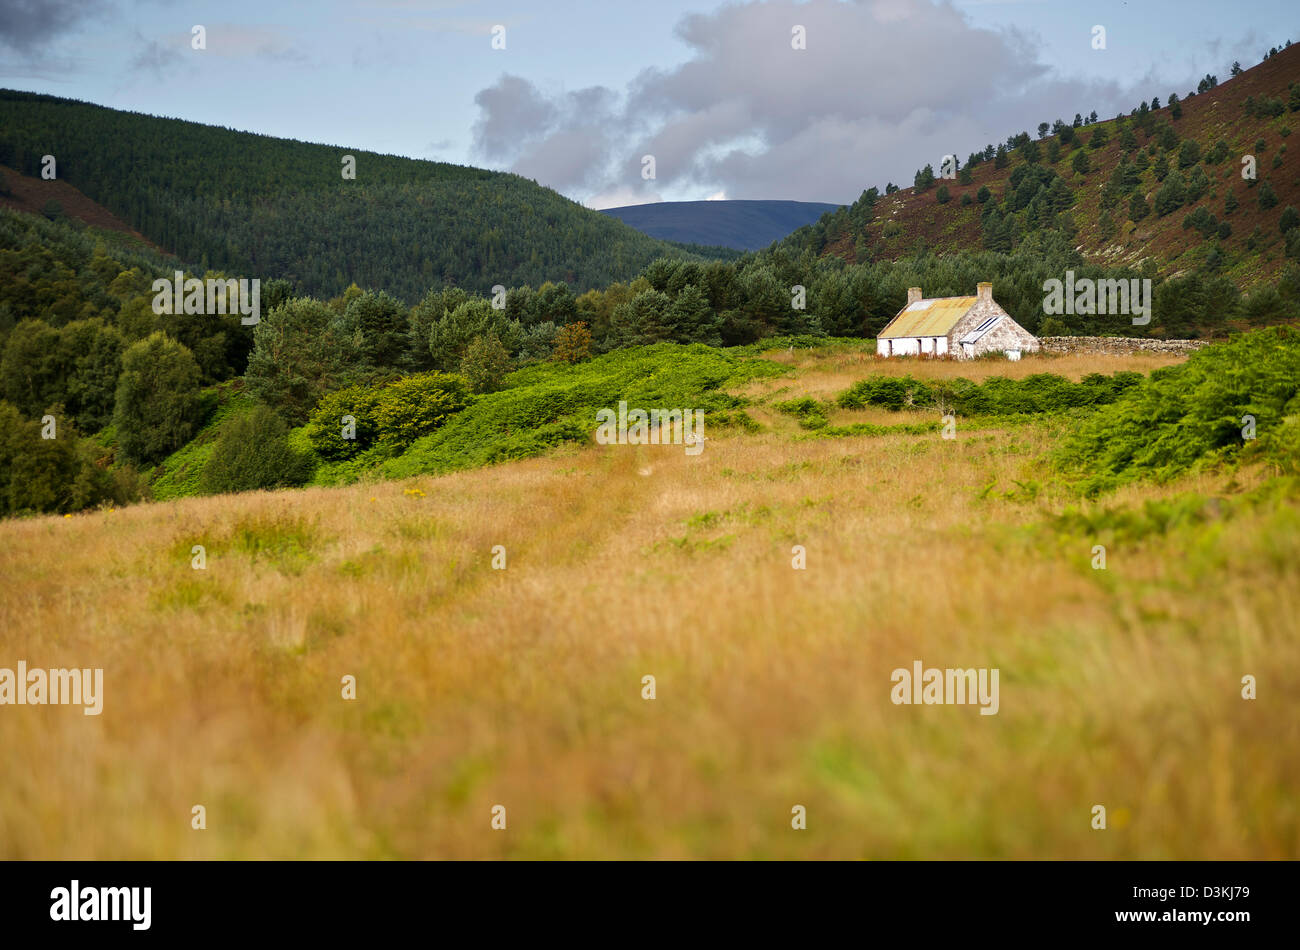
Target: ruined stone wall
[[1117, 346]]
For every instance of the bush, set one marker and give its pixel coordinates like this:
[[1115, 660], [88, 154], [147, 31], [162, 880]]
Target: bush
[[810, 413], [157, 406], [252, 453], [572, 343], [393, 416], [485, 363], [942, 196], [983, 195], [548, 403], [999, 396], [888, 392], [1189, 414], [52, 210]]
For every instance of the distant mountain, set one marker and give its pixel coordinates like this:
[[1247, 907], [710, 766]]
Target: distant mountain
[[745, 225], [269, 207]]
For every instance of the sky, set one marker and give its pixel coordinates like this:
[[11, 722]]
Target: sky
[[583, 90]]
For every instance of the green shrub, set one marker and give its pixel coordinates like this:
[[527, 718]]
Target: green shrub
[[253, 453], [547, 404], [810, 413], [1192, 413], [393, 415], [887, 392], [485, 363], [997, 396]]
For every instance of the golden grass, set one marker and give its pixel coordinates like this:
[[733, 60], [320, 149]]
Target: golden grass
[[822, 375], [522, 687]]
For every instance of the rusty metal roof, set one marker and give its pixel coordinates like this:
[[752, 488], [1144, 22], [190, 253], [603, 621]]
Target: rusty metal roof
[[933, 317]]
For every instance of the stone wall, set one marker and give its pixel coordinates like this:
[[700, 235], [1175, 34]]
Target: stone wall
[[1117, 346]]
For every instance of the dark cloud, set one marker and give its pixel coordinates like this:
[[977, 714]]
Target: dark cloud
[[28, 26]]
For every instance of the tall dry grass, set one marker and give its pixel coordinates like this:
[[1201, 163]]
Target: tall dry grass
[[523, 687]]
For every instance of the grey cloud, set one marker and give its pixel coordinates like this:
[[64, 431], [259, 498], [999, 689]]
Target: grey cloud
[[563, 141], [513, 113], [27, 26]]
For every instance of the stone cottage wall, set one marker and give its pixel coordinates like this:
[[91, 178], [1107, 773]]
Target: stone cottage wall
[[1007, 335], [977, 314]]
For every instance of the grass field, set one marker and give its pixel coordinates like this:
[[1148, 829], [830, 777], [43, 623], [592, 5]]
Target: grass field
[[523, 687]]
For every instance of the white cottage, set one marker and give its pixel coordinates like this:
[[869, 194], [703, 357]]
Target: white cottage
[[960, 327]]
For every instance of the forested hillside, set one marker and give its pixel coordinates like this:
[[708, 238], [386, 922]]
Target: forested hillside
[[1161, 187], [266, 207]]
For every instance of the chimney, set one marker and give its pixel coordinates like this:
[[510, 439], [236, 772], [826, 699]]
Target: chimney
[[984, 291], [913, 295]]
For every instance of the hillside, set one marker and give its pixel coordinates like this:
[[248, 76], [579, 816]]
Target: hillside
[[19, 192], [262, 206], [741, 224], [1252, 113]]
